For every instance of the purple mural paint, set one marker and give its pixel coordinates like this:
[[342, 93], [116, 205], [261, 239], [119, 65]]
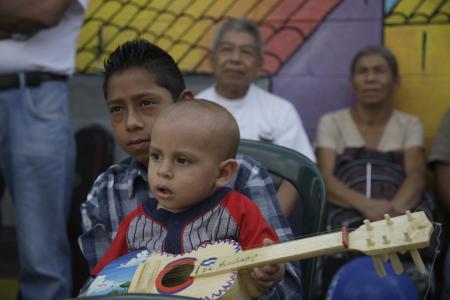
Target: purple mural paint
[[316, 77]]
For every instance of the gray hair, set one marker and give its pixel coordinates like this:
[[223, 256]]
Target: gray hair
[[379, 50], [241, 25]]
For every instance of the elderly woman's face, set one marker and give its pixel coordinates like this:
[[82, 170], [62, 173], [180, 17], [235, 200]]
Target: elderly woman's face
[[372, 81]]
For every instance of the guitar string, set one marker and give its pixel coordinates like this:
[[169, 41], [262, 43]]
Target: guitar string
[[177, 273], [436, 253]]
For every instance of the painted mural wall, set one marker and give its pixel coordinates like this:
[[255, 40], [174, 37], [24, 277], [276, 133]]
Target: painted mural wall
[[308, 45]]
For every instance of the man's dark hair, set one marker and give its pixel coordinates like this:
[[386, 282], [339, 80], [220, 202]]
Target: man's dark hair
[[143, 54], [379, 50]]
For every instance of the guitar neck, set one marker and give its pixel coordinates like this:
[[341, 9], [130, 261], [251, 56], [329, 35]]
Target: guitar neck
[[278, 253], [161, 273]]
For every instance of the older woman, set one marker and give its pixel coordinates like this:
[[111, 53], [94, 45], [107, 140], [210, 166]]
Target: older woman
[[370, 155]]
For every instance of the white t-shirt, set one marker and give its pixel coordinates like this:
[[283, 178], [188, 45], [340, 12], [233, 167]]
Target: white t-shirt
[[51, 50], [265, 116]]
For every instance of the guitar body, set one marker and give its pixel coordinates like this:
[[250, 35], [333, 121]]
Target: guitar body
[[167, 274]]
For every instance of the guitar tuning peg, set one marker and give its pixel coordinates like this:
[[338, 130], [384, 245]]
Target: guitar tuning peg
[[409, 215], [369, 226], [397, 265], [407, 236], [370, 242], [379, 267], [386, 240], [418, 261], [387, 217]]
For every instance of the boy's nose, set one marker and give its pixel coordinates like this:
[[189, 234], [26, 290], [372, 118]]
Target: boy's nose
[[165, 170], [134, 121]]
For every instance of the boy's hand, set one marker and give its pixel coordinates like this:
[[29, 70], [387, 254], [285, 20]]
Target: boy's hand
[[266, 277]]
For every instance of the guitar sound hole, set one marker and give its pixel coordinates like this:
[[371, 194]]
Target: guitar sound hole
[[178, 275]]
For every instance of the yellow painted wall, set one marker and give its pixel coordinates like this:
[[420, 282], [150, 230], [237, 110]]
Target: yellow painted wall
[[423, 53]]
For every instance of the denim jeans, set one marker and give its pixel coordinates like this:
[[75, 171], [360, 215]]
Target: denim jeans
[[37, 154]]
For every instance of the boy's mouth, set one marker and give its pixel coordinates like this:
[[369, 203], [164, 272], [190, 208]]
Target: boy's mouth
[[139, 144], [163, 192]]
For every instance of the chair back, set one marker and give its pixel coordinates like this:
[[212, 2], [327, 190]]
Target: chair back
[[286, 164]]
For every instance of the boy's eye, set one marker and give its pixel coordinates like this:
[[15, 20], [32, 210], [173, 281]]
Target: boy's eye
[[155, 156], [115, 109], [182, 161], [147, 103]]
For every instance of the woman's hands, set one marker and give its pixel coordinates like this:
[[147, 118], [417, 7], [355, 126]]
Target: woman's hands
[[374, 209]]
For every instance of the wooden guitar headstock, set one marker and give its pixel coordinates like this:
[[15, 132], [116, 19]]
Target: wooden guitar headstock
[[383, 239]]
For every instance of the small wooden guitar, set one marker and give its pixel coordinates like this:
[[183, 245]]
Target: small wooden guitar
[[220, 269]]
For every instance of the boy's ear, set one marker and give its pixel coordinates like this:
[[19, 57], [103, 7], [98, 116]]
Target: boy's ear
[[227, 170], [186, 95]]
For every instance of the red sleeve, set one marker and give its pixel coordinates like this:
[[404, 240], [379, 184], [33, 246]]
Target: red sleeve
[[119, 245], [253, 227]]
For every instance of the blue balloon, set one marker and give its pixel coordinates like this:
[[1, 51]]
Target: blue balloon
[[358, 279]]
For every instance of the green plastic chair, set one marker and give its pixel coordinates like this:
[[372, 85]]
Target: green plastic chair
[[303, 174]]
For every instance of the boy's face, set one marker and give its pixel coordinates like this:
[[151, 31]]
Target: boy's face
[[183, 164], [134, 101]]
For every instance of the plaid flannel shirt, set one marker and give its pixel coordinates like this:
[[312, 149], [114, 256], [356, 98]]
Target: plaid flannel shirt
[[118, 190]]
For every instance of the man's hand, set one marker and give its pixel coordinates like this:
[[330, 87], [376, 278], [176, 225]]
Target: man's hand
[[266, 277]]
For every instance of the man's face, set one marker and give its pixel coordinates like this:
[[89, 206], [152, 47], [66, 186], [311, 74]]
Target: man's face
[[372, 81], [235, 63], [134, 101], [183, 165]]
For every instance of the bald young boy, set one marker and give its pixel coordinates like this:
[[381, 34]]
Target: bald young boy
[[192, 160]]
